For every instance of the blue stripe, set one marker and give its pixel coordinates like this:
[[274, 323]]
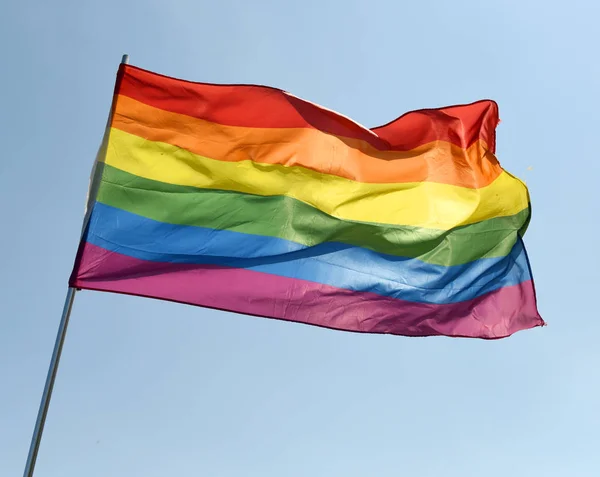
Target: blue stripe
[[333, 264]]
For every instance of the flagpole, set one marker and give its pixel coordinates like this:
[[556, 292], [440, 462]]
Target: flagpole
[[56, 354], [43, 411]]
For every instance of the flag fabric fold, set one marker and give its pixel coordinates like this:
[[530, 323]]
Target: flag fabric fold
[[248, 199]]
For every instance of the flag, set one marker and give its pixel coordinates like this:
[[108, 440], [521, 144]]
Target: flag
[[248, 199]]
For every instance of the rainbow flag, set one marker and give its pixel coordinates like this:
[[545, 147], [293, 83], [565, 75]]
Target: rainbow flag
[[251, 200]]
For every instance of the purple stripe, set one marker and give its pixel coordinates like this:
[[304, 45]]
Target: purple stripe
[[495, 315]]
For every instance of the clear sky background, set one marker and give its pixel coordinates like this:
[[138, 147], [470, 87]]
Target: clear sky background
[[155, 389]]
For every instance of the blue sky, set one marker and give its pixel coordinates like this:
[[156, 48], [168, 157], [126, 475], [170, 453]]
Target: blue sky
[[152, 389]]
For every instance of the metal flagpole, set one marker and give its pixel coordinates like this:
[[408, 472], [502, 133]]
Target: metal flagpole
[[43, 411], [58, 345]]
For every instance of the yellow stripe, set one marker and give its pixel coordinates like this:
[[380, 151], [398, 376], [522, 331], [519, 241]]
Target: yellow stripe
[[421, 204]]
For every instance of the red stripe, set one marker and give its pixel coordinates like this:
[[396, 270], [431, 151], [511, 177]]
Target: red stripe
[[495, 315], [265, 107]]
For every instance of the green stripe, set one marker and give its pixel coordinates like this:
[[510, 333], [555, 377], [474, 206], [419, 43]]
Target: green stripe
[[291, 219]]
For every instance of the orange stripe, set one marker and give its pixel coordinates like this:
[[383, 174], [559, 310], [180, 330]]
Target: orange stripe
[[353, 159]]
